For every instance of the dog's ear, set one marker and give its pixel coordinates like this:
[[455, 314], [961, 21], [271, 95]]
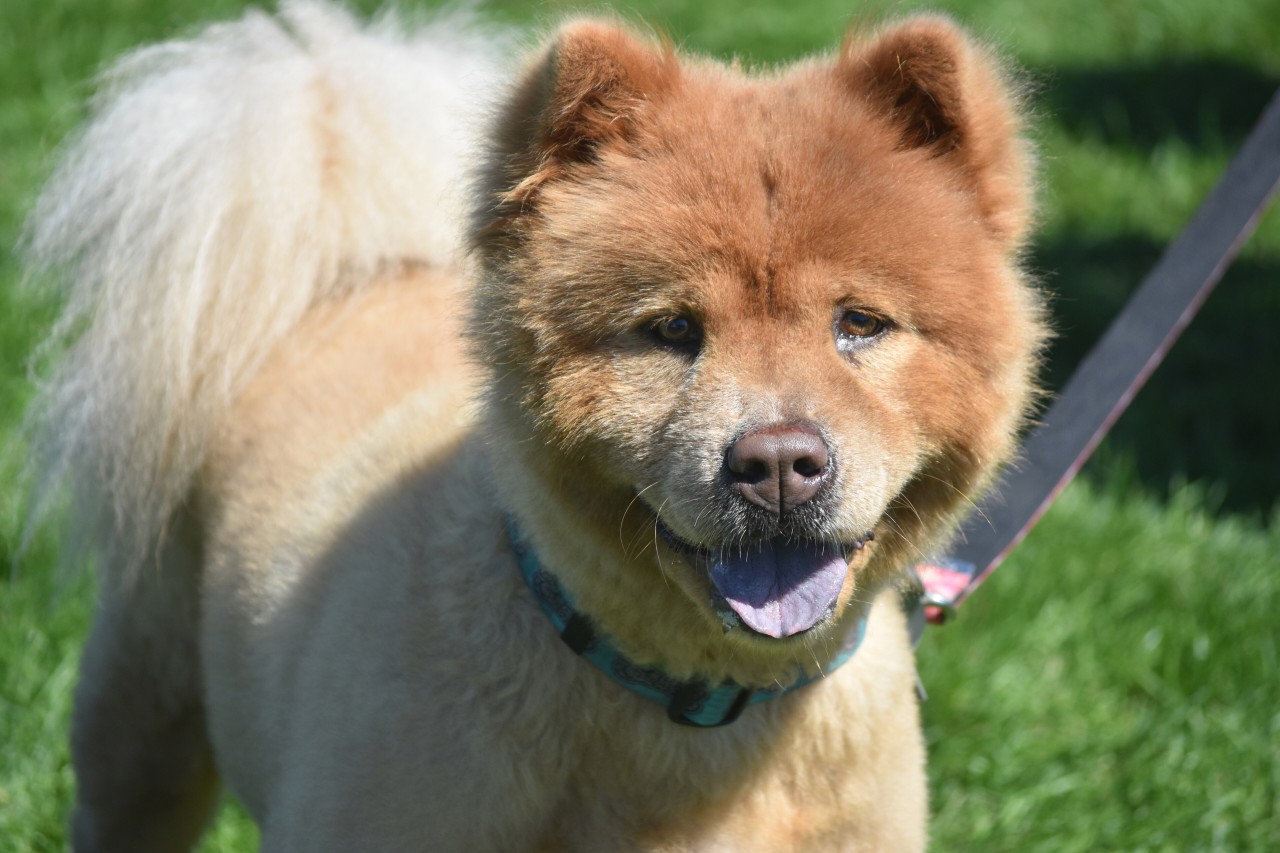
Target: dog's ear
[[945, 96], [598, 78], [586, 92]]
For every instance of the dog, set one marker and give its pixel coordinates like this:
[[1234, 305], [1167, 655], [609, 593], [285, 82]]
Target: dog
[[529, 465]]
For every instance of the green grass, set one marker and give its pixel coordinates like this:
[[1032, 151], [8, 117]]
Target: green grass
[[1114, 687]]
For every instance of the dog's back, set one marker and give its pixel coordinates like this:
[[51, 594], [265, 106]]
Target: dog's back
[[225, 187]]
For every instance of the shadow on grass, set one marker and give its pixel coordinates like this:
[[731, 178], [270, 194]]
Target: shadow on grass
[[1210, 411], [1206, 102]]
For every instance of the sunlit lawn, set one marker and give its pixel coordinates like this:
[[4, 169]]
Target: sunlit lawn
[[1114, 687]]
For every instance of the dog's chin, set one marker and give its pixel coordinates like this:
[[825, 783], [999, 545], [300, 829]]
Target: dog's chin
[[771, 589]]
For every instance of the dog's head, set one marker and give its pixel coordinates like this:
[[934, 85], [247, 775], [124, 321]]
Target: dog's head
[[764, 317]]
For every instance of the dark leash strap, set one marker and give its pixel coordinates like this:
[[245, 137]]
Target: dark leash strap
[[1109, 377]]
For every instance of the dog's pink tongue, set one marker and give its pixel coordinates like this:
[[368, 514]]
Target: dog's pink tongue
[[780, 589]]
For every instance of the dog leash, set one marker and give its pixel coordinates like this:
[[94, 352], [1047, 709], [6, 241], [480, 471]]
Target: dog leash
[[1108, 378]]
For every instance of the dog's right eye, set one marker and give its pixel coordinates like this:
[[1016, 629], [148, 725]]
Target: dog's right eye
[[678, 331]]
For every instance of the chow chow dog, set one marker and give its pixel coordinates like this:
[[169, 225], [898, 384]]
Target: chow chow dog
[[528, 465]]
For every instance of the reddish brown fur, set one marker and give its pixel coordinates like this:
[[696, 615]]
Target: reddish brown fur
[[633, 185]]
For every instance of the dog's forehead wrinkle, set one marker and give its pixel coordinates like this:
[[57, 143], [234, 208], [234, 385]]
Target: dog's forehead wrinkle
[[768, 247]]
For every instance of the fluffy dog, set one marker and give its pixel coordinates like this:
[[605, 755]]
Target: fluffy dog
[[726, 353]]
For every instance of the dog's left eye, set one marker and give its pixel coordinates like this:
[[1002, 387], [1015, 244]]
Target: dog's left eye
[[860, 324], [680, 331]]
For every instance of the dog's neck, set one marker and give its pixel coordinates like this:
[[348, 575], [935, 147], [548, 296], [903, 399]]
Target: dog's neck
[[692, 702]]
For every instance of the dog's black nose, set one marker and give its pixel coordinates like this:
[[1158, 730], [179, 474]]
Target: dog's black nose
[[780, 467]]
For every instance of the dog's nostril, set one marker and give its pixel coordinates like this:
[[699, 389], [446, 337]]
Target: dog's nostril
[[809, 466], [753, 458], [749, 470]]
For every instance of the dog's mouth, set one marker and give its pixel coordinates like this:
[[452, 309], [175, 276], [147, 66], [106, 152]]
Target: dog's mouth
[[776, 587]]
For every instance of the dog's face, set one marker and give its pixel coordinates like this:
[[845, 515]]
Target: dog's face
[[775, 318]]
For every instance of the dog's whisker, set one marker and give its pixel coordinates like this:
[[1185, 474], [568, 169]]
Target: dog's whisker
[[973, 505], [657, 550], [902, 535], [623, 520]]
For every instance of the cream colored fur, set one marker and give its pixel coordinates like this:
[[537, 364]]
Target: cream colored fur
[[227, 184], [274, 442]]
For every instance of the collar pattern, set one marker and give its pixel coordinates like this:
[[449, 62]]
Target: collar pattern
[[691, 703]]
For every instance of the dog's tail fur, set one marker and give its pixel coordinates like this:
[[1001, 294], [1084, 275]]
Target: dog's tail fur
[[224, 185]]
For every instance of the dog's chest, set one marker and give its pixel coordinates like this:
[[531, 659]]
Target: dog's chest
[[642, 783]]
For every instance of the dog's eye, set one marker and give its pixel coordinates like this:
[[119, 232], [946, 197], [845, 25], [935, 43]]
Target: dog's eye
[[855, 323], [679, 331]]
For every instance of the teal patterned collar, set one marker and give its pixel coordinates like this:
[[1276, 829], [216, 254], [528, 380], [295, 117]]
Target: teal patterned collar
[[690, 703]]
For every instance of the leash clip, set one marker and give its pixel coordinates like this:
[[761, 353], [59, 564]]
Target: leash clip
[[942, 582]]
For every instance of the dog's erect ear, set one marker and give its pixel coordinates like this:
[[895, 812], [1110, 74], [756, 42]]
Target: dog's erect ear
[[598, 78], [585, 92], [945, 96]]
